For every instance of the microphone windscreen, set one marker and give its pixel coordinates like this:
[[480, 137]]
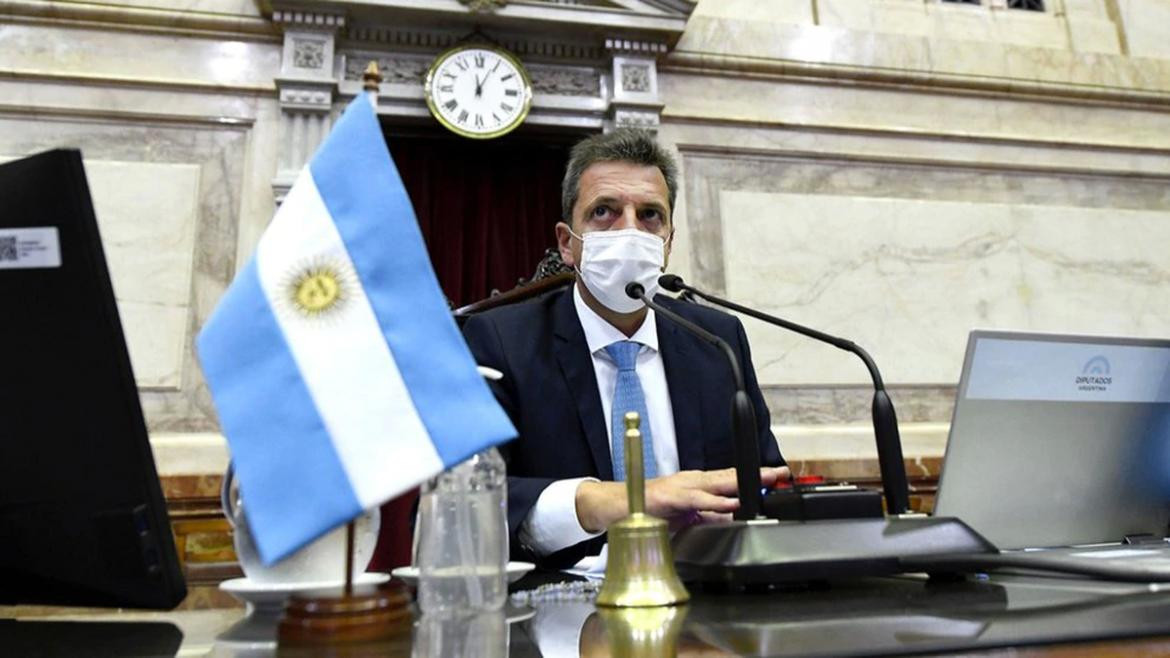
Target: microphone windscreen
[[635, 290], [671, 282]]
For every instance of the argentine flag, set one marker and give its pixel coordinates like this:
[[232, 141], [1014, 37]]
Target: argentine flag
[[339, 375]]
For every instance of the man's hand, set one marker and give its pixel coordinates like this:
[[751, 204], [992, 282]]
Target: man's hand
[[681, 499]]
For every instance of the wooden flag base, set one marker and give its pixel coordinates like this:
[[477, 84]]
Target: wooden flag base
[[326, 617], [345, 615]]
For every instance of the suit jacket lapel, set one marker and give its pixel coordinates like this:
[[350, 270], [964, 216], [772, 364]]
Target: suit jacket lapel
[[577, 365], [683, 378]]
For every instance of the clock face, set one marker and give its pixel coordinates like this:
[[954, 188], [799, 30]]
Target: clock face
[[478, 91]]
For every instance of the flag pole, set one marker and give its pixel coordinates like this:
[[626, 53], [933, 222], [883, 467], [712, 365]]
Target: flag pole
[[349, 558], [371, 78], [370, 614]]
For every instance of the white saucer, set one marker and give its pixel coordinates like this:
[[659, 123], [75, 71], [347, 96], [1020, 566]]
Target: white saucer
[[409, 575], [515, 615], [270, 594]]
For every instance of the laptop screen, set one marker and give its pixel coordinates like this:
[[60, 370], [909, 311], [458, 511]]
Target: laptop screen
[[1060, 440]]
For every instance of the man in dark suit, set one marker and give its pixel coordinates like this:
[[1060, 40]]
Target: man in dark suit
[[574, 361]]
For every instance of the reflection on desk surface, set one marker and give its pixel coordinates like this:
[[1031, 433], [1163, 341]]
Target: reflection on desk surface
[[869, 617], [889, 614], [901, 615]]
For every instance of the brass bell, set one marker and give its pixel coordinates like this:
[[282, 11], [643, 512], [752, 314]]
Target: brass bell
[[640, 569]]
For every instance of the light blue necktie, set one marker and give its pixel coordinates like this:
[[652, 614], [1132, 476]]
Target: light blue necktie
[[627, 396]]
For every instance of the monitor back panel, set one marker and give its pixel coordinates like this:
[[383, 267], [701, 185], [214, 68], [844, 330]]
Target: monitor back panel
[[80, 503], [1060, 440]]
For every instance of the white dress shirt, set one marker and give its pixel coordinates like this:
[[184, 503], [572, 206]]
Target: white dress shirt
[[553, 524]]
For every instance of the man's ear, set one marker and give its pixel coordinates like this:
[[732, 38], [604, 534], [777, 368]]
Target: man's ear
[[565, 245]]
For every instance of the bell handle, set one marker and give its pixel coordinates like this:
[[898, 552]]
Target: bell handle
[[635, 471]]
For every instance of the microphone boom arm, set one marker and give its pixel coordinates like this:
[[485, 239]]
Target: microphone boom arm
[[885, 422], [743, 415]]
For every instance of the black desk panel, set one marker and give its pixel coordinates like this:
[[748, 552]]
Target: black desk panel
[[881, 616]]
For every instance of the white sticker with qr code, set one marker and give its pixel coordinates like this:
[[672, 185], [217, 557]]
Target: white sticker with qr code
[[28, 248]]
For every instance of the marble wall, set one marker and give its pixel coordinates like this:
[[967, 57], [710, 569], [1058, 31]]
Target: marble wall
[[1146, 27], [1137, 28], [910, 277], [148, 213]]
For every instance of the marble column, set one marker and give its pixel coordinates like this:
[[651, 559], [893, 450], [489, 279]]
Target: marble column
[[307, 86], [634, 101]]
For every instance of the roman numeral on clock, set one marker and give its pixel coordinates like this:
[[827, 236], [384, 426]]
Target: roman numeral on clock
[[505, 107], [511, 92], [479, 61], [462, 117], [479, 121], [451, 105]]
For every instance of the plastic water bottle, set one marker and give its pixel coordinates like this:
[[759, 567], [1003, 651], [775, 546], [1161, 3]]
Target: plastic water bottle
[[462, 538], [480, 635]]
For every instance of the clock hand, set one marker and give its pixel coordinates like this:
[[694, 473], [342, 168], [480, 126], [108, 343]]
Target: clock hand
[[479, 86]]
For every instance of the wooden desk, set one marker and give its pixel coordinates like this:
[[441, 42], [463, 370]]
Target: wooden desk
[[1037, 616]]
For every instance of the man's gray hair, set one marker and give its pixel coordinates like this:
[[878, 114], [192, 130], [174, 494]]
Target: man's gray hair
[[622, 145]]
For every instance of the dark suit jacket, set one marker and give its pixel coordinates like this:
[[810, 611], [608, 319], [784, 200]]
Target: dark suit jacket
[[550, 392]]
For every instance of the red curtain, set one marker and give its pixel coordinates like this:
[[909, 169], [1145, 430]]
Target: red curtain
[[486, 208], [487, 211]]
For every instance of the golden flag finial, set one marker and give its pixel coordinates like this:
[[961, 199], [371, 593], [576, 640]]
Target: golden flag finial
[[372, 77]]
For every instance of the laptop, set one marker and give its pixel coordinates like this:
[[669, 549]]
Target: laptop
[[1059, 452]]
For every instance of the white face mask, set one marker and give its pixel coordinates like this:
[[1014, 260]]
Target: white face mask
[[613, 259]]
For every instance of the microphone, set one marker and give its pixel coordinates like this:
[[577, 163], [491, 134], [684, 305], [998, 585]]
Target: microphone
[[743, 415], [885, 421]]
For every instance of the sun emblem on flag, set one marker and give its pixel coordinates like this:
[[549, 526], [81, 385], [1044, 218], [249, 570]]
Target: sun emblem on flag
[[319, 289]]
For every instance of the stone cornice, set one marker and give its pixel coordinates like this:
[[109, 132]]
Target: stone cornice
[[1001, 140], [312, 19], [148, 83], [858, 76], [664, 21], [137, 19], [429, 40], [636, 47], [990, 166], [72, 113]]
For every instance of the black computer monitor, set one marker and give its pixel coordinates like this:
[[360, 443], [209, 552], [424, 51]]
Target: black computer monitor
[[82, 516]]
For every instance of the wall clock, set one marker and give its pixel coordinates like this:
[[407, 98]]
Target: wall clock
[[478, 91]]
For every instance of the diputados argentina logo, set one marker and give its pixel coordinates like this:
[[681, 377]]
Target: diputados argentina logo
[[1095, 375]]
